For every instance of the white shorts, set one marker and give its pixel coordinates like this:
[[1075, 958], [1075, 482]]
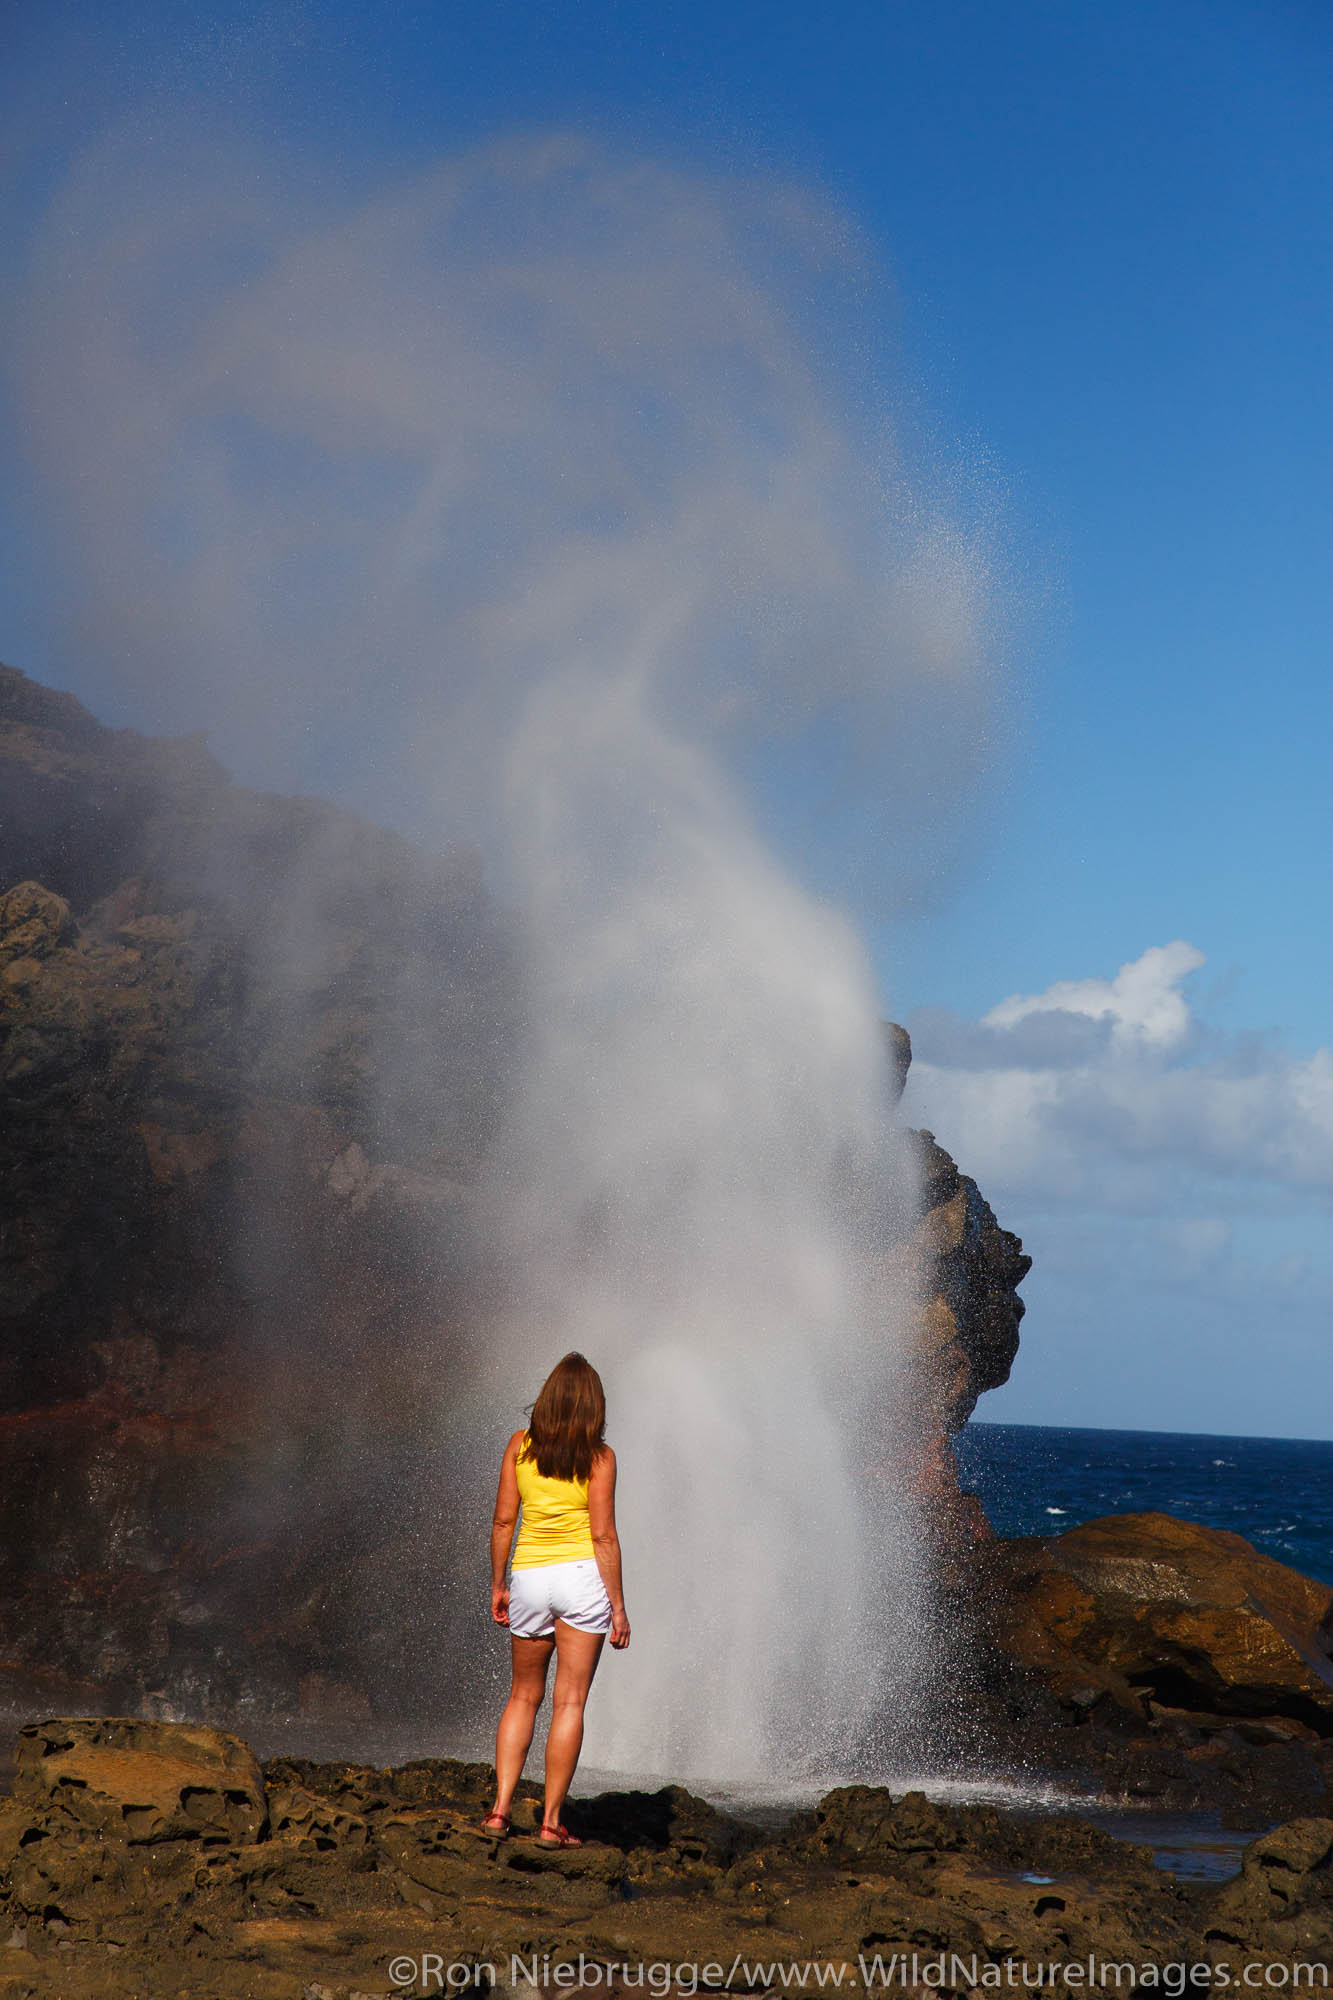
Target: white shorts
[[571, 1591]]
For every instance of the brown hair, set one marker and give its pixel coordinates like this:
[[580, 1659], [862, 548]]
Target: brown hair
[[568, 1418]]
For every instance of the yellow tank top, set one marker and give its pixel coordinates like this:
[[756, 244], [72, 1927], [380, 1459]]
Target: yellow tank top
[[554, 1527]]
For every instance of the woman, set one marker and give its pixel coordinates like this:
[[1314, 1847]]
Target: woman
[[564, 1593]]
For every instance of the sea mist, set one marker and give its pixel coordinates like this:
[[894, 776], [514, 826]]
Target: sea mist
[[699, 1160], [545, 500]]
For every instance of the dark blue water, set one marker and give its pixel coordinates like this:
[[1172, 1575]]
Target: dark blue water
[[1277, 1492]]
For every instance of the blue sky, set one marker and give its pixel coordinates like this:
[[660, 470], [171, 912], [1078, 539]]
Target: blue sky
[[1106, 237]]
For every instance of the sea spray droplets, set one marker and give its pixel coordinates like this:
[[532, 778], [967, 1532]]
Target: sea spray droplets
[[699, 1158], [534, 499]]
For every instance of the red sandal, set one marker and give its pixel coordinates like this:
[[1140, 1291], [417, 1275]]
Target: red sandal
[[496, 1823], [557, 1836]]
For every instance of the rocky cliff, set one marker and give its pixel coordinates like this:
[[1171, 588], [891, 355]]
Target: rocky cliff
[[252, 1054], [967, 1334]]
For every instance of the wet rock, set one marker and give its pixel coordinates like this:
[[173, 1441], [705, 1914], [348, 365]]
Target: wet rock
[[678, 1829], [965, 1270], [899, 1046], [1284, 1891], [856, 1822]]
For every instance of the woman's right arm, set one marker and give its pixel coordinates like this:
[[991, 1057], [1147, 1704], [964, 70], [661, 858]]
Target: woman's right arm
[[502, 1529], [606, 1542]]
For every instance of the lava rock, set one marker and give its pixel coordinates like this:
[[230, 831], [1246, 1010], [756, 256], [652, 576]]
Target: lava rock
[[1284, 1891], [1150, 1607], [354, 1867], [142, 1781]]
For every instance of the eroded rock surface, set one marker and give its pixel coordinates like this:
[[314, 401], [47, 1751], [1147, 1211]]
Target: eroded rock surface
[[1282, 1899], [351, 1868], [973, 1269], [964, 1271], [142, 1782]]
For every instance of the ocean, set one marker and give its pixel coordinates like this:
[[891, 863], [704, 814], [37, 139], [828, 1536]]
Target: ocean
[[1034, 1479]]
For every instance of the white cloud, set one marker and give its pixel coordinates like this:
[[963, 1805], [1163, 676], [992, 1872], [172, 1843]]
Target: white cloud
[[1143, 1003], [1173, 1184], [1148, 1111]]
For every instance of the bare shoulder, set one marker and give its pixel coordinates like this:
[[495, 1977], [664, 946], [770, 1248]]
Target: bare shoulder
[[512, 1448], [604, 1465]]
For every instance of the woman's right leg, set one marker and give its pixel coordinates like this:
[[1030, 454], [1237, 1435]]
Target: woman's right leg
[[530, 1659], [577, 1654]]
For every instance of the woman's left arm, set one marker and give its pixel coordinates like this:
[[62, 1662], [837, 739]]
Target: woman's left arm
[[502, 1529], [606, 1542]]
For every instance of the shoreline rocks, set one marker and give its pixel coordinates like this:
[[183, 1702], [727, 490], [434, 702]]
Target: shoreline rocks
[[1154, 1659], [322, 1874], [1164, 1613]]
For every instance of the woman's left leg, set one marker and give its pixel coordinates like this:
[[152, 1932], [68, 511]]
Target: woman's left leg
[[513, 1739], [577, 1654]]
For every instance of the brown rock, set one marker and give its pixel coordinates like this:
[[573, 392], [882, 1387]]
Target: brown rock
[[964, 1271], [143, 1781], [33, 922], [1144, 1605], [1284, 1875], [251, 1050], [971, 1273], [315, 1824], [353, 1874], [858, 1821]]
